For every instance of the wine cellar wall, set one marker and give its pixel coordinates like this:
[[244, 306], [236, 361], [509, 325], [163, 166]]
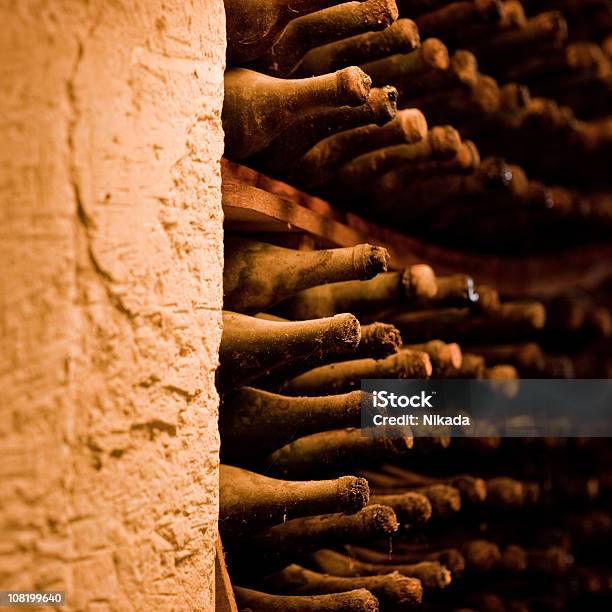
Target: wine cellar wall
[[110, 318], [414, 189]]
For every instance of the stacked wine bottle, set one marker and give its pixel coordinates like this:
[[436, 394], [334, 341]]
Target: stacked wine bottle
[[382, 109]]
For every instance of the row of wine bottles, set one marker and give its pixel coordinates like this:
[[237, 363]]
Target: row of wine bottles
[[318, 542]]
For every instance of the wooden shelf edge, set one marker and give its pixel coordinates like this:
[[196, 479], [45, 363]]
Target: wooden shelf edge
[[255, 202]]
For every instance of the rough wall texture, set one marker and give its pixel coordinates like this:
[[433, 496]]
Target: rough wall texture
[[110, 296]]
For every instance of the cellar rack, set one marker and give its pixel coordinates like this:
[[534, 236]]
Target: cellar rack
[[255, 203]]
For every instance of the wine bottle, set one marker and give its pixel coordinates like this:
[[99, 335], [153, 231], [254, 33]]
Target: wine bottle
[[295, 141], [445, 358], [253, 26], [349, 19], [472, 366], [471, 488], [359, 600], [466, 161], [442, 142], [257, 107], [251, 347], [431, 574], [256, 275], [444, 500], [512, 320], [329, 450], [391, 590], [249, 502], [462, 71], [291, 539], [527, 357], [480, 555], [503, 492], [412, 285], [451, 558], [430, 195], [458, 15], [400, 37], [346, 375], [411, 508], [396, 69], [379, 340], [459, 105], [506, 47], [322, 161], [488, 299], [552, 561], [254, 422], [455, 290]]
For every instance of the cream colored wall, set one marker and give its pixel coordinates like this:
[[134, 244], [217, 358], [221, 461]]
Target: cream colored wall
[[110, 297]]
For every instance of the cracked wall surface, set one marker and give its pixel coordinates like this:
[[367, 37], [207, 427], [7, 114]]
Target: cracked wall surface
[[110, 298]]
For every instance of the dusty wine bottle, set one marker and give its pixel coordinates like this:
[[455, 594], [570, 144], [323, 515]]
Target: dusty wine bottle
[[431, 574], [442, 142], [391, 590], [462, 70], [249, 502], [457, 15], [251, 347], [255, 422], [253, 25], [455, 290], [256, 275], [291, 539], [358, 600], [319, 165], [451, 558], [257, 107], [472, 366], [472, 489], [445, 358], [284, 151], [348, 19], [411, 508], [412, 285], [347, 375], [401, 37], [332, 449], [431, 56]]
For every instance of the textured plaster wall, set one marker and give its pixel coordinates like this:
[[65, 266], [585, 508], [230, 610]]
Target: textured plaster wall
[[110, 296]]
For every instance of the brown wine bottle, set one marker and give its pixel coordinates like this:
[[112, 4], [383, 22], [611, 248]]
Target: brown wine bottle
[[347, 375], [284, 151], [454, 290], [431, 56], [253, 25], [358, 600], [257, 275], [349, 19], [322, 161], [249, 502], [411, 508], [445, 358], [431, 574], [291, 539], [442, 142], [332, 449], [401, 37], [257, 107], [254, 422], [451, 558], [392, 590], [457, 15], [411, 286], [251, 347], [472, 366], [472, 489]]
